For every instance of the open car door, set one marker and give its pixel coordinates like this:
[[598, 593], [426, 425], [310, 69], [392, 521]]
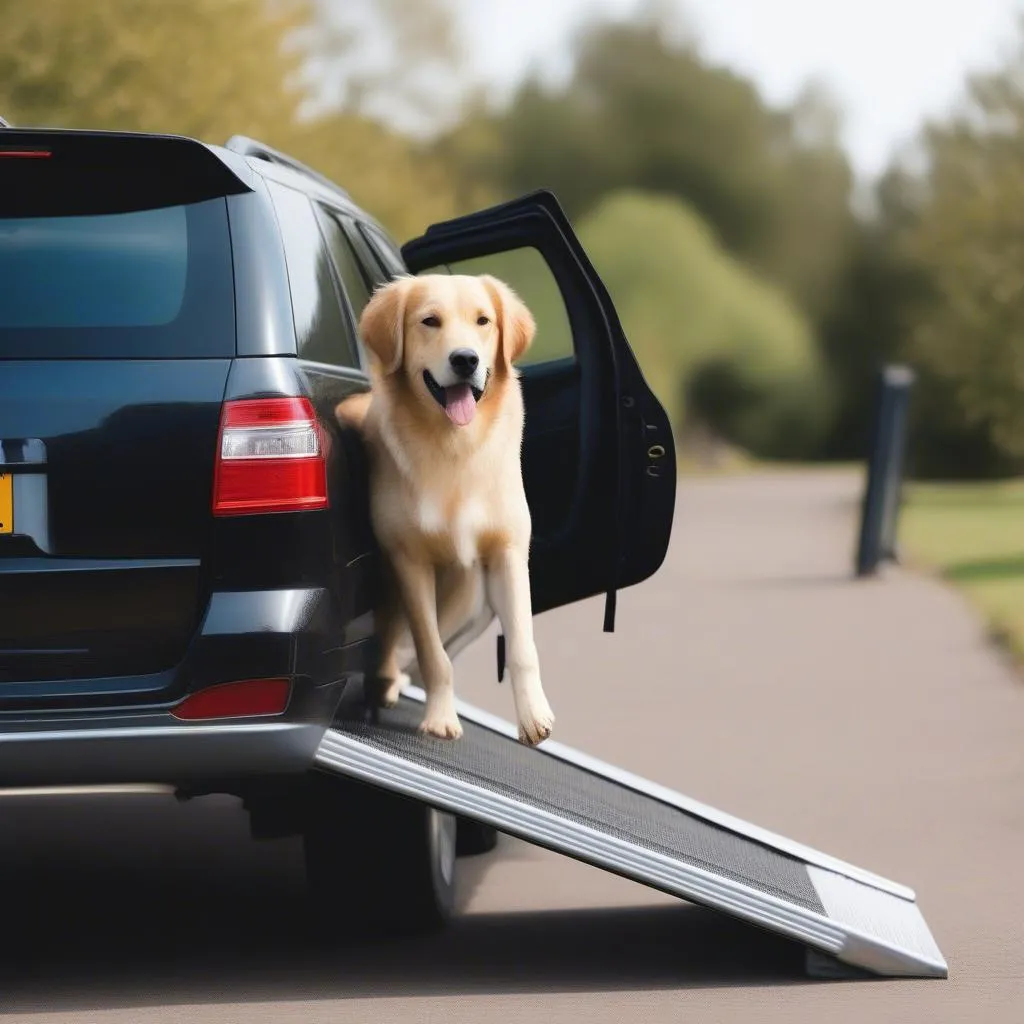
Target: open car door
[[599, 461]]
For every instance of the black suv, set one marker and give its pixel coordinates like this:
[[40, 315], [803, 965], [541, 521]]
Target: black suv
[[186, 559]]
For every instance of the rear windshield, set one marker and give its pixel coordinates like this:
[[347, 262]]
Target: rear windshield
[[147, 284]]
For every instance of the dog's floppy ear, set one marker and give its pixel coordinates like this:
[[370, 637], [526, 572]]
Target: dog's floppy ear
[[516, 326], [382, 324]]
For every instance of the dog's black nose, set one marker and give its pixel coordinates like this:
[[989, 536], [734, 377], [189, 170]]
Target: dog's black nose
[[464, 362]]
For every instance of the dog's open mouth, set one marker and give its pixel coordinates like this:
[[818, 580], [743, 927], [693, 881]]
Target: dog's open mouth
[[457, 400]]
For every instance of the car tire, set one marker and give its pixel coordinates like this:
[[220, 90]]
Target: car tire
[[385, 863], [474, 838]]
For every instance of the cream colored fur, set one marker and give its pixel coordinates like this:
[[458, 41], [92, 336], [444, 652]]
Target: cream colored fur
[[447, 501]]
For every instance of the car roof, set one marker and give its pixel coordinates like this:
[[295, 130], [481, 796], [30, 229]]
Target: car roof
[[245, 156], [286, 170]]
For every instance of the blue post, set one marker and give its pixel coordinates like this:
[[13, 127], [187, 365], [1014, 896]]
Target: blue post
[[882, 492]]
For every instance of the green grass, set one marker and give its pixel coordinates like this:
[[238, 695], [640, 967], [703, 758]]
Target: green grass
[[973, 534]]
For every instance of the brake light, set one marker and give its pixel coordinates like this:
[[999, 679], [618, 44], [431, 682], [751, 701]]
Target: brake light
[[235, 700], [26, 154], [270, 458]]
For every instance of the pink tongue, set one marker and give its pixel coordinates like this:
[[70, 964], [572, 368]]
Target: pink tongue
[[459, 404]]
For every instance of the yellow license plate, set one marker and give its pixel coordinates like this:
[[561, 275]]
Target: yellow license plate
[[6, 503]]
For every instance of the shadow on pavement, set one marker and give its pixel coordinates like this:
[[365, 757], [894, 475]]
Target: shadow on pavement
[[137, 901]]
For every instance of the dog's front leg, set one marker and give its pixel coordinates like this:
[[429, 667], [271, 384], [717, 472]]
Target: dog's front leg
[[416, 583], [508, 588]]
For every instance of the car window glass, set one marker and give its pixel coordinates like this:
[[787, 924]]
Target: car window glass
[[323, 332], [526, 271], [357, 291], [151, 283], [384, 249]]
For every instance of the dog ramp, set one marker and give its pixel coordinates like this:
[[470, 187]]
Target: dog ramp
[[849, 920]]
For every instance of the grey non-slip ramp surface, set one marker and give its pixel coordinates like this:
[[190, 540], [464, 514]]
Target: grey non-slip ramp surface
[[561, 799]]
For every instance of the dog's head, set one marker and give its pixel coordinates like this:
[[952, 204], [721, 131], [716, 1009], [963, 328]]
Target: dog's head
[[449, 338]]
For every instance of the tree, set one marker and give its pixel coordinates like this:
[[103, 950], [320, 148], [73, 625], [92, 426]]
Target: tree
[[967, 236], [867, 323], [643, 109], [215, 68], [719, 346], [403, 185], [400, 62], [192, 67]]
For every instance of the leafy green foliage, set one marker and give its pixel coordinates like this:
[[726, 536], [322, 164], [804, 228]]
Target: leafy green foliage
[[211, 69], [969, 236], [957, 229], [203, 69], [717, 344], [645, 110]]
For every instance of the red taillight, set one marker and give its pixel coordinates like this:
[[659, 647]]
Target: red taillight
[[235, 700], [26, 154], [270, 458]]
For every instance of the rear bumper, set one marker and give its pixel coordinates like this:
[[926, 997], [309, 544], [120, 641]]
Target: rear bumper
[[154, 749], [247, 634], [98, 732]]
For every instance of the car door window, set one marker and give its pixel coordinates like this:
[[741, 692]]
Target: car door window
[[385, 251], [350, 271], [523, 269], [324, 331], [526, 271]]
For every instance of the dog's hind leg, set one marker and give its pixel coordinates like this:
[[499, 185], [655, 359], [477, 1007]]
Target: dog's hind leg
[[384, 689], [390, 679], [463, 609], [463, 615], [460, 597]]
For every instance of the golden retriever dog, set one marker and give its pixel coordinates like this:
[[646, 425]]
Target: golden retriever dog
[[443, 424]]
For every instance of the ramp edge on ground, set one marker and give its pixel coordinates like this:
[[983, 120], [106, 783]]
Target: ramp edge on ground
[[863, 925]]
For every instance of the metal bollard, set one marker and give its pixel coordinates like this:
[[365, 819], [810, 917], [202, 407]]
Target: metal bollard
[[882, 491]]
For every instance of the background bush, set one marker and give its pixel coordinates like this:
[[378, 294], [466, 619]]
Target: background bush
[[720, 346], [760, 298]]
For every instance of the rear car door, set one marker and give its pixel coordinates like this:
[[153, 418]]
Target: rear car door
[[328, 293], [598, 456]]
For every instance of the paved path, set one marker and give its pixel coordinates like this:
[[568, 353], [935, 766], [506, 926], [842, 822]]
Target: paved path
[[865, 718]]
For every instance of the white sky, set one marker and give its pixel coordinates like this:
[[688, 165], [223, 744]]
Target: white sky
[[889, 62]]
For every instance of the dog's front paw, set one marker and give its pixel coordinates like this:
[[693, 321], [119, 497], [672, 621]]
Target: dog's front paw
[[536, 721], [442, 723], [393, 690]]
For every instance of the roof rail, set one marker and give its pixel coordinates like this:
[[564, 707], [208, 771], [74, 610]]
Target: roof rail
[[245, 146]]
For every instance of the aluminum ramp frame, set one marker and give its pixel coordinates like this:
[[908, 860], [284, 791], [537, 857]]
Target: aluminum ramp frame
[[850, 920]]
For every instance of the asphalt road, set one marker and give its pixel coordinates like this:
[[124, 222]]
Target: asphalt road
[[869, 719]]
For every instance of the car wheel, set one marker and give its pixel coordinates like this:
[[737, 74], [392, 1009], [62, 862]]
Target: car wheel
[[381, 860], [474, 837]]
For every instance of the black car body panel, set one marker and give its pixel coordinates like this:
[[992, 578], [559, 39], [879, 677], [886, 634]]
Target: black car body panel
[[161, 283]]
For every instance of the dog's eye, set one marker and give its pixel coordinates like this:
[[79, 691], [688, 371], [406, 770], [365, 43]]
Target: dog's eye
[[432, 321], [482, 321]]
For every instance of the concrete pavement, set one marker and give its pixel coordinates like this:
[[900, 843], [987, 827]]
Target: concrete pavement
[[869, 719]]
